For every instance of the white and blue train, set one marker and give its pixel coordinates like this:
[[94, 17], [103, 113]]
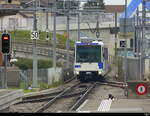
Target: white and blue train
[[89, 59]]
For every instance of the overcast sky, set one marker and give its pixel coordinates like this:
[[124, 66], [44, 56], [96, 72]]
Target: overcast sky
[[115, 2]]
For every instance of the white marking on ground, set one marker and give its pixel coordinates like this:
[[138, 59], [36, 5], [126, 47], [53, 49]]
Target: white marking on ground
[[83, 104], [105, 105], [138, 109], [84, 111]]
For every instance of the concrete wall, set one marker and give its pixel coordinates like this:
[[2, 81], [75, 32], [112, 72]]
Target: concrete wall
[[133, 70], [54, 75], [49, 76], [147, 69], [8, 24], [13, 75]]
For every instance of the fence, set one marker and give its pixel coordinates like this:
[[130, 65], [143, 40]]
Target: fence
[[23, 78], [133, 67]]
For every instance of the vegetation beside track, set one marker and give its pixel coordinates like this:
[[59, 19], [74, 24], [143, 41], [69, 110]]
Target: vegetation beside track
[[24, 63]]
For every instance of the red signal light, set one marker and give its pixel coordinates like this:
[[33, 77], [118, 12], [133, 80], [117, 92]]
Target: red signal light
[[5, 43], [6, 38]]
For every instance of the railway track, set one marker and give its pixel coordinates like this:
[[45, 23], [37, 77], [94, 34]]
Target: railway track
[[40, 44], [45, 51], [49, 103], [46, 95], [76, 94], [69, 99]]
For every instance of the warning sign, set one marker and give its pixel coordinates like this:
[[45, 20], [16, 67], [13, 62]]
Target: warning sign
[[138, 89], [141, 89]]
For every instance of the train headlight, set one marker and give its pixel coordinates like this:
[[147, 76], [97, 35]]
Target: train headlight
[[99, 73], [77, 72]]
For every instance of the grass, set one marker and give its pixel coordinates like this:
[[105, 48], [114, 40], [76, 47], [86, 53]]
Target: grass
[[42, 86], [46, 86], [29, 91]]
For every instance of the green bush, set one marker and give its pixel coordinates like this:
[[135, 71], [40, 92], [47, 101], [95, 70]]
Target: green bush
[[25, 64]]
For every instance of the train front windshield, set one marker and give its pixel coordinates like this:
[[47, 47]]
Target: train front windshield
[[88, 53]]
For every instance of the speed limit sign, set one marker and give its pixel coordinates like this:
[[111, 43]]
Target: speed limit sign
[[34, 35], [141, 89]]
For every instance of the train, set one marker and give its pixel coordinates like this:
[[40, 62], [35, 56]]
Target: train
[[89, 59]]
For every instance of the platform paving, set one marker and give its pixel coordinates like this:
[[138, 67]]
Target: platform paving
[[119, 106], [9, 97], [130, 105]]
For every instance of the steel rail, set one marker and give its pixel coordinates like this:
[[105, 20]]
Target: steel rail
[[113, 84], [44, 96], [52, 97], [48, 104], [82, 99]]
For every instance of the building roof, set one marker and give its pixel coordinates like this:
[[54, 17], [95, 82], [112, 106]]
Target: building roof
[[114, 8]]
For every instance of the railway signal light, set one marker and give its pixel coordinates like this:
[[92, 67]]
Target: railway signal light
[[5, 43], [9, 1]]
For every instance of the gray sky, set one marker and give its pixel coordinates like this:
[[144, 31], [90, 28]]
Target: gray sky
[[115, 2]]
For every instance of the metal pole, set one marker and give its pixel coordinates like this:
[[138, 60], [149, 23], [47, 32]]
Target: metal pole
[[47, 24], [54, 41], [134, 39], [5, 73], [3, 77], [137, 32], [125, 58], [140, 46], [143, 38], [138, 41], [79, 27], [1, 24], [115, 34], [67, 42], [35, 80], [46, 20]]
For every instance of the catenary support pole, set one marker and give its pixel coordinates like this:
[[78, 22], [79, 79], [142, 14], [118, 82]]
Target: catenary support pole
[[78, 26], [35, 79], [67, 42], [125, 49], [115, 34], [54, 40]]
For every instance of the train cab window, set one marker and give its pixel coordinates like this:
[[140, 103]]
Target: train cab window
[[88, 54]]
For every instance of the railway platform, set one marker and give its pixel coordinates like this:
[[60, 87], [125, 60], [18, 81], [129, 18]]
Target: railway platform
[[130, 105], [9, 97], [121, 106]]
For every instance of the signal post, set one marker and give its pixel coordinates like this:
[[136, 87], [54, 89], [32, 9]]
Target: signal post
[[6, 51]]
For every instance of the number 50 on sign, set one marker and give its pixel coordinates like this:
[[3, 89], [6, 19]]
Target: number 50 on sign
[[34, 35]]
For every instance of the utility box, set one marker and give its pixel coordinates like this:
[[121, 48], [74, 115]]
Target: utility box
[[13, 74], [1, 59]]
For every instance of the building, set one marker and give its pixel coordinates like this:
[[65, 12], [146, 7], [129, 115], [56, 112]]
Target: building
[[120, 38]]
